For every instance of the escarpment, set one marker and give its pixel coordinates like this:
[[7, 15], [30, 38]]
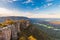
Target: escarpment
[[21, 30], [9, 29]]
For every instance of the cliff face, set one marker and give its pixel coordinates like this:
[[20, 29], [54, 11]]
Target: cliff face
[[5, 33], [21, 30], [10, 32]]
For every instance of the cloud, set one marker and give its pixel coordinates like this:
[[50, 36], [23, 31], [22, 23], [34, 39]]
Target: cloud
[[45, 16], [48, 5], [28, 1], [49, 0], [7, 12], [8, 1], [37, 8], [12, 0]]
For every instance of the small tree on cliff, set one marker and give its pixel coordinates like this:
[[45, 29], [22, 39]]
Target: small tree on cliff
[[9, 21], [3, 24]]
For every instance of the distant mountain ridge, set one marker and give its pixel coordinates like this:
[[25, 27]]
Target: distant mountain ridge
[[13, 18]]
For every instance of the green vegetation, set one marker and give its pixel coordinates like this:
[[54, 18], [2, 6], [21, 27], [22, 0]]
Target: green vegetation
[[7, 22], [47, 26], [30, 33]]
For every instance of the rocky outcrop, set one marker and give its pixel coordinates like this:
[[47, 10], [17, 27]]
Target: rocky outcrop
[[14, 31], [5, 33], [10, 32]]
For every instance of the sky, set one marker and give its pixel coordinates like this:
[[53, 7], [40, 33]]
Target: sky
[[30, 8]]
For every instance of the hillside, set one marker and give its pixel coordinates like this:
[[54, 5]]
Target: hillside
[[13, 18], [55, 22], [22, 29]]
